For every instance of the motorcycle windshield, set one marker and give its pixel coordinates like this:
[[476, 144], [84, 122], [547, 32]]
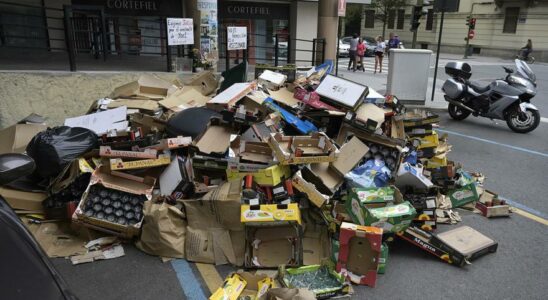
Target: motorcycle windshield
[[523, 70]]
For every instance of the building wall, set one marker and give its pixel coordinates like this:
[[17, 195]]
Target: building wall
[[488, 32]]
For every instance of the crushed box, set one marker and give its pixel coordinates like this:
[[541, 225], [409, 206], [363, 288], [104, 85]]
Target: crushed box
[[313, 148]]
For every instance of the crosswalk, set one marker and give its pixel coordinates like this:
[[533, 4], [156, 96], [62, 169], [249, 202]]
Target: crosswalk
[[369, 65]]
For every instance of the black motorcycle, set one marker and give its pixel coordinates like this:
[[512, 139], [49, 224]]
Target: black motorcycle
[[504, 99]]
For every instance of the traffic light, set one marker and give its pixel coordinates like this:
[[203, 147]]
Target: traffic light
[[472, 23], [468, 21], [417, 13]]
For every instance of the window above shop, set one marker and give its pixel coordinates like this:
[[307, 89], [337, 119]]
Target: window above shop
[[369, 18], [511, 17], [430, 19], [401, 18], [391, 18]]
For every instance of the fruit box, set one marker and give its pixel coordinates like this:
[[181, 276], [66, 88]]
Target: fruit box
[[490, 206], [270, 213], [315, 148], [463, 195], [383, 260], [359, 253], [391, 218], [120, 182]]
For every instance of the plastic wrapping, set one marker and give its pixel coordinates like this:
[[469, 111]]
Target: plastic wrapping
[[53, 149], [373, 173]]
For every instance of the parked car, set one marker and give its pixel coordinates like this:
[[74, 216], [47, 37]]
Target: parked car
[[343, 49], [370, 45]]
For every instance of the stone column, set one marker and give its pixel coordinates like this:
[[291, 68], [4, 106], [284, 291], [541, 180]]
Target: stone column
[[328, 24]]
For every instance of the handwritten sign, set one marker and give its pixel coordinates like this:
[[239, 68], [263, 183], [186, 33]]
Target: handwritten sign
[[180, 31], [237, 38]]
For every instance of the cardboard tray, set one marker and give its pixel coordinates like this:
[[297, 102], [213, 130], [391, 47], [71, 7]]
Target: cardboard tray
[[464, 241], [315, 148], [123, 182]]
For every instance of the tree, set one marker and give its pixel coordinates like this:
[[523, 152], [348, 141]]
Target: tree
[[383, 8], [353, 18]]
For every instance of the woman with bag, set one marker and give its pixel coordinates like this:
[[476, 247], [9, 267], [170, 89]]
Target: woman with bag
[[360, 52], [379, 53]]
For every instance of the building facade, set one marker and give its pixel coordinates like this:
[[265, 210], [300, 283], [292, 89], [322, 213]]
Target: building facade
[[502, 27]]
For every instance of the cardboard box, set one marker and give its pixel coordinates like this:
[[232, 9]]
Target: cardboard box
[[177, 177], [423, 240], [106, 151], [311, 99], [120, 182], [270, 213], [418, 117], [272, 244], [314, 148], [391, 218], [232, 288], [19, 200], [146, 87], [303, 126], [412, 176], [260, 132], [427, 145], [215, 140], [285, 276], [307, 184], [173, 143], [383, 260], [212, 168], [119, 164], [359, 253], [249, 156], [368, 116], [16, 137], [375, 197], [270, 176], [147, 123], [490, 206], [230, 96], [149, 106], [419, 131], [271, 80], [187, 97], [342, 92], [204, 81], [244, 284], [464, 241], [463, 195]]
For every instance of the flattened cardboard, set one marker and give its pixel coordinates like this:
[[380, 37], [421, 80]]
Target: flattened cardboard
[[147, 105], [367, 115], [269, 246], [173, 143], [23, 200], [119, 164], [184, 98], [214, 140], [147, 123], [101, 122], [350, 155], [466, 241], [283, 95], [359, 253], [106, 151], [16, 137]]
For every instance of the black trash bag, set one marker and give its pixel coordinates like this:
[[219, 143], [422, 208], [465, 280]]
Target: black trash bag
[[54, 148], [190, 122]]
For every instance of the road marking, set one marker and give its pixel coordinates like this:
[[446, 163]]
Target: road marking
[[544, 120], [493, 142], [530, 216], [190, 285], [525, 208], [210, 275]]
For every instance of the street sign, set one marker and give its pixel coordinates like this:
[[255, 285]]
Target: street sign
[[471, 34], [180, 31], [236, 38], [342, 8]]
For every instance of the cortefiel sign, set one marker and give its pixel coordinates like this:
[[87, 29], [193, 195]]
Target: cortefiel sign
[[237, 38], [180, 31]]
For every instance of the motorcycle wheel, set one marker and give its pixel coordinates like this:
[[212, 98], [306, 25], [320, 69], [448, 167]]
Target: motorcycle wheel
[[530, 60], [457, 113], [523, 122]]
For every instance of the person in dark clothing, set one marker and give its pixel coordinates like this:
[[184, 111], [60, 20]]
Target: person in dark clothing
[[525, 51], [352, 52], [393, 43]]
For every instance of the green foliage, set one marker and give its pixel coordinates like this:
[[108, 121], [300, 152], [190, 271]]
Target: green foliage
[[383, 6]]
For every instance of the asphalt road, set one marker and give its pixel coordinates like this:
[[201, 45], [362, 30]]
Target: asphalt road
[[516, 167]]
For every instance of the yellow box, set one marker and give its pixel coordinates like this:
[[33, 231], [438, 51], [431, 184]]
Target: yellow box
[[270, 213], [232, 287], [118, 164], [270, 176], [429, 141], [436, 161]]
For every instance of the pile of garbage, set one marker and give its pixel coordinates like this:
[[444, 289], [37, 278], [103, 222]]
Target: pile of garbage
[[314, 177]]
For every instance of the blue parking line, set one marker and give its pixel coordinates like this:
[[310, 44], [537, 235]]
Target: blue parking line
[[190, 285], [524, 208], [493, 142]]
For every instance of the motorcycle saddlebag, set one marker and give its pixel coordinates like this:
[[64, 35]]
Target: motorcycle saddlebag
[[452, 88]]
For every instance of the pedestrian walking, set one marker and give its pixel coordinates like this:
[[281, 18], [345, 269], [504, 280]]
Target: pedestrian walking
[[393, 43], [360, 52], [379, 53], [352, 52]]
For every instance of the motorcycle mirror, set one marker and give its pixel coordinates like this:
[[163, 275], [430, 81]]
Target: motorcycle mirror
[[14, 166], [508, 70]]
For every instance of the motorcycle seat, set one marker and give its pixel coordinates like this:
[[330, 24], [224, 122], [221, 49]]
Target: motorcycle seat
[[479, 87]]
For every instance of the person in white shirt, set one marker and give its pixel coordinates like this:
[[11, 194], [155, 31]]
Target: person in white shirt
[[352, 52], [379, 53]]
